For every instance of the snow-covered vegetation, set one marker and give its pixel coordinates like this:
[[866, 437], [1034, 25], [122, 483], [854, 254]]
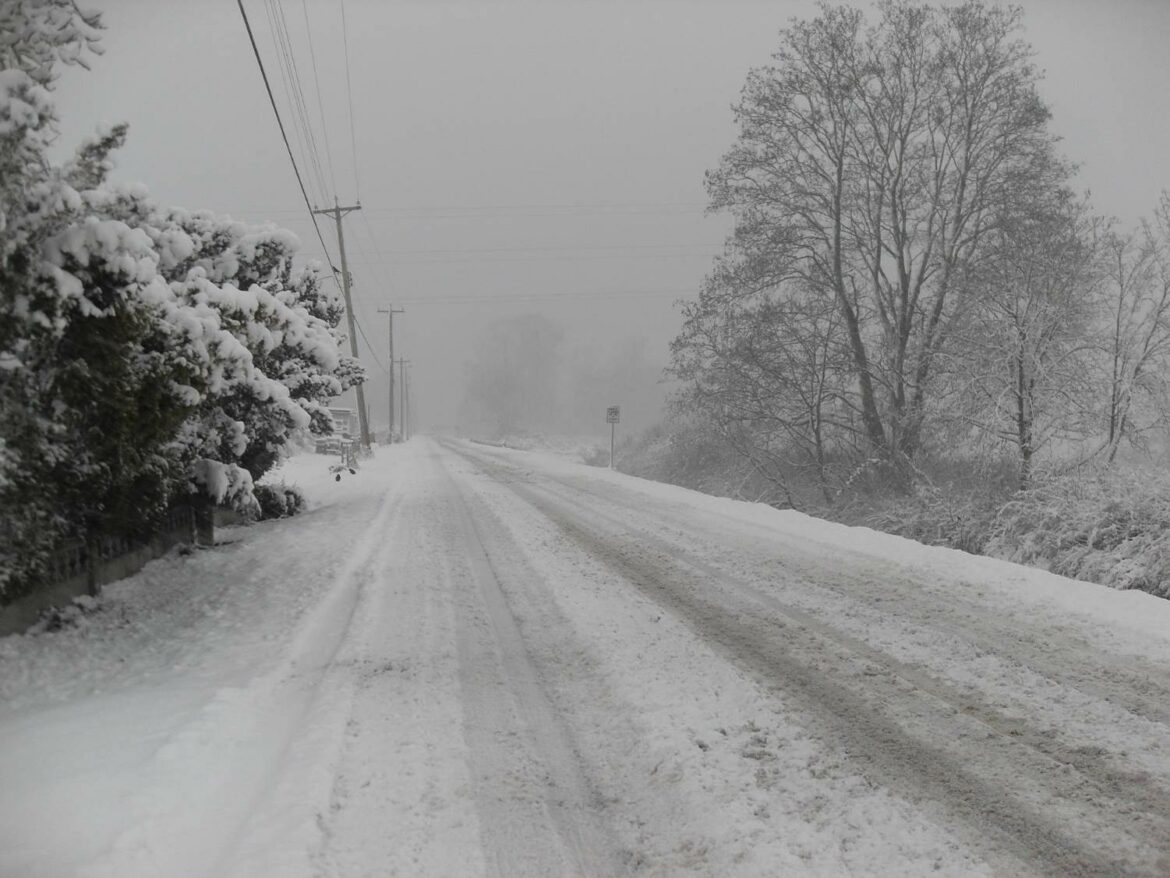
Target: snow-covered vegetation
[[147, 355], [917, 315], [1103, 522]]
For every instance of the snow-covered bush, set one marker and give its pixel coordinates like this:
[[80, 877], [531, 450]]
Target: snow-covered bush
[[279, 501], [79, 353], [146, 355], [595, 455], [932, 515], [286, 366], [1108, 527], [685, 451]]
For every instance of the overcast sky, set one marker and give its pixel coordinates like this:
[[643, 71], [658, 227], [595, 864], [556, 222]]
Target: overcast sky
[[517, 157]]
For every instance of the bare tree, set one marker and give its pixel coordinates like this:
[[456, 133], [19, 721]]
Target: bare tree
[[871, 165], [769, 373], [1027, 364], [1136, 336]]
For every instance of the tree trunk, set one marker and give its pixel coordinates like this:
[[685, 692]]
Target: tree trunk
[[92, 561], [203, 512]]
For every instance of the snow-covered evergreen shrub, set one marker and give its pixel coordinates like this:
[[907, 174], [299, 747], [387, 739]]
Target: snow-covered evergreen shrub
[[279, 501], [146, 355], [85, 403]]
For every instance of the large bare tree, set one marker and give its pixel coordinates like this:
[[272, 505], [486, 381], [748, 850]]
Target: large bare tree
[[871, 165]]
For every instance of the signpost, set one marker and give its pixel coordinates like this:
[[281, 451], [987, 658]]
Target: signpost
[[613, 415]]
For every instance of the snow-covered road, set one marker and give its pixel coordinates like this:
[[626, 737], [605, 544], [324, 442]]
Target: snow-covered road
[[475, 661]]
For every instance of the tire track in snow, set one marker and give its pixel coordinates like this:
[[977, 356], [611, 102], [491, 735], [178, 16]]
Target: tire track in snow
[[538, 813], [1128, 788], [401, 800], [856, 724], [286, 828], [1134, 776], [1131, 682], [794, 657], [244, 737]]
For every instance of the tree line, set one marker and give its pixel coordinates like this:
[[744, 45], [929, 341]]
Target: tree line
[[148, 355], [911, 274]]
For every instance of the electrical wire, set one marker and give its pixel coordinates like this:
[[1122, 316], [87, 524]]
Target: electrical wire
[[369, 347], [285, 76], [283, 56], [701, 249], [497, 298], [349, 96], [284, 135], [297, 171], [533, 260], [285, 53], [519, 211], [320, 103]]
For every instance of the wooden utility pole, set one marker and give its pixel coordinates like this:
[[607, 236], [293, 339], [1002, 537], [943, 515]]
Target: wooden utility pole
[[390, 312], [402, 364], [337, 212], [406, 393]]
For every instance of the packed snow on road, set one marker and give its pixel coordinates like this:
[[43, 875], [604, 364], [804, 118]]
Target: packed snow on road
[[474, 661]]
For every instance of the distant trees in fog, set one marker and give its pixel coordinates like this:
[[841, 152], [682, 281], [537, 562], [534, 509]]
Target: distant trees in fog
[[526, 373]]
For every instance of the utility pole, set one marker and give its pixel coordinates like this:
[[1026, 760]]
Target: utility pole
[[409, 410], [390, 312], [337, 212], [402, 364]]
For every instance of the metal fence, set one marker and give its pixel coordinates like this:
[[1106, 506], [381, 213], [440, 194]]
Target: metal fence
[[81, 567]]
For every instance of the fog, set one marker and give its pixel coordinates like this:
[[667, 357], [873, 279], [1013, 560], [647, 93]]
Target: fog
[[525, 166]]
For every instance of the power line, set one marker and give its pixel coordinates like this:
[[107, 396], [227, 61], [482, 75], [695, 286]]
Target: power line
[[292, 89], [373, 239], [282, 66], [283, 42], [349, 95], [591, 205], [320, 104], [475, 298], [284, 135], [537, 259], [699, 249], [547, 209], [494, 211], [369, 346], [296, 170], [304, 105]]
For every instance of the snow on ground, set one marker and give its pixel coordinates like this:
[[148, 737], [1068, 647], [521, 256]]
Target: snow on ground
[[1134, 611], [477, 661], [577, 449], [718, 770], [114, 734]]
